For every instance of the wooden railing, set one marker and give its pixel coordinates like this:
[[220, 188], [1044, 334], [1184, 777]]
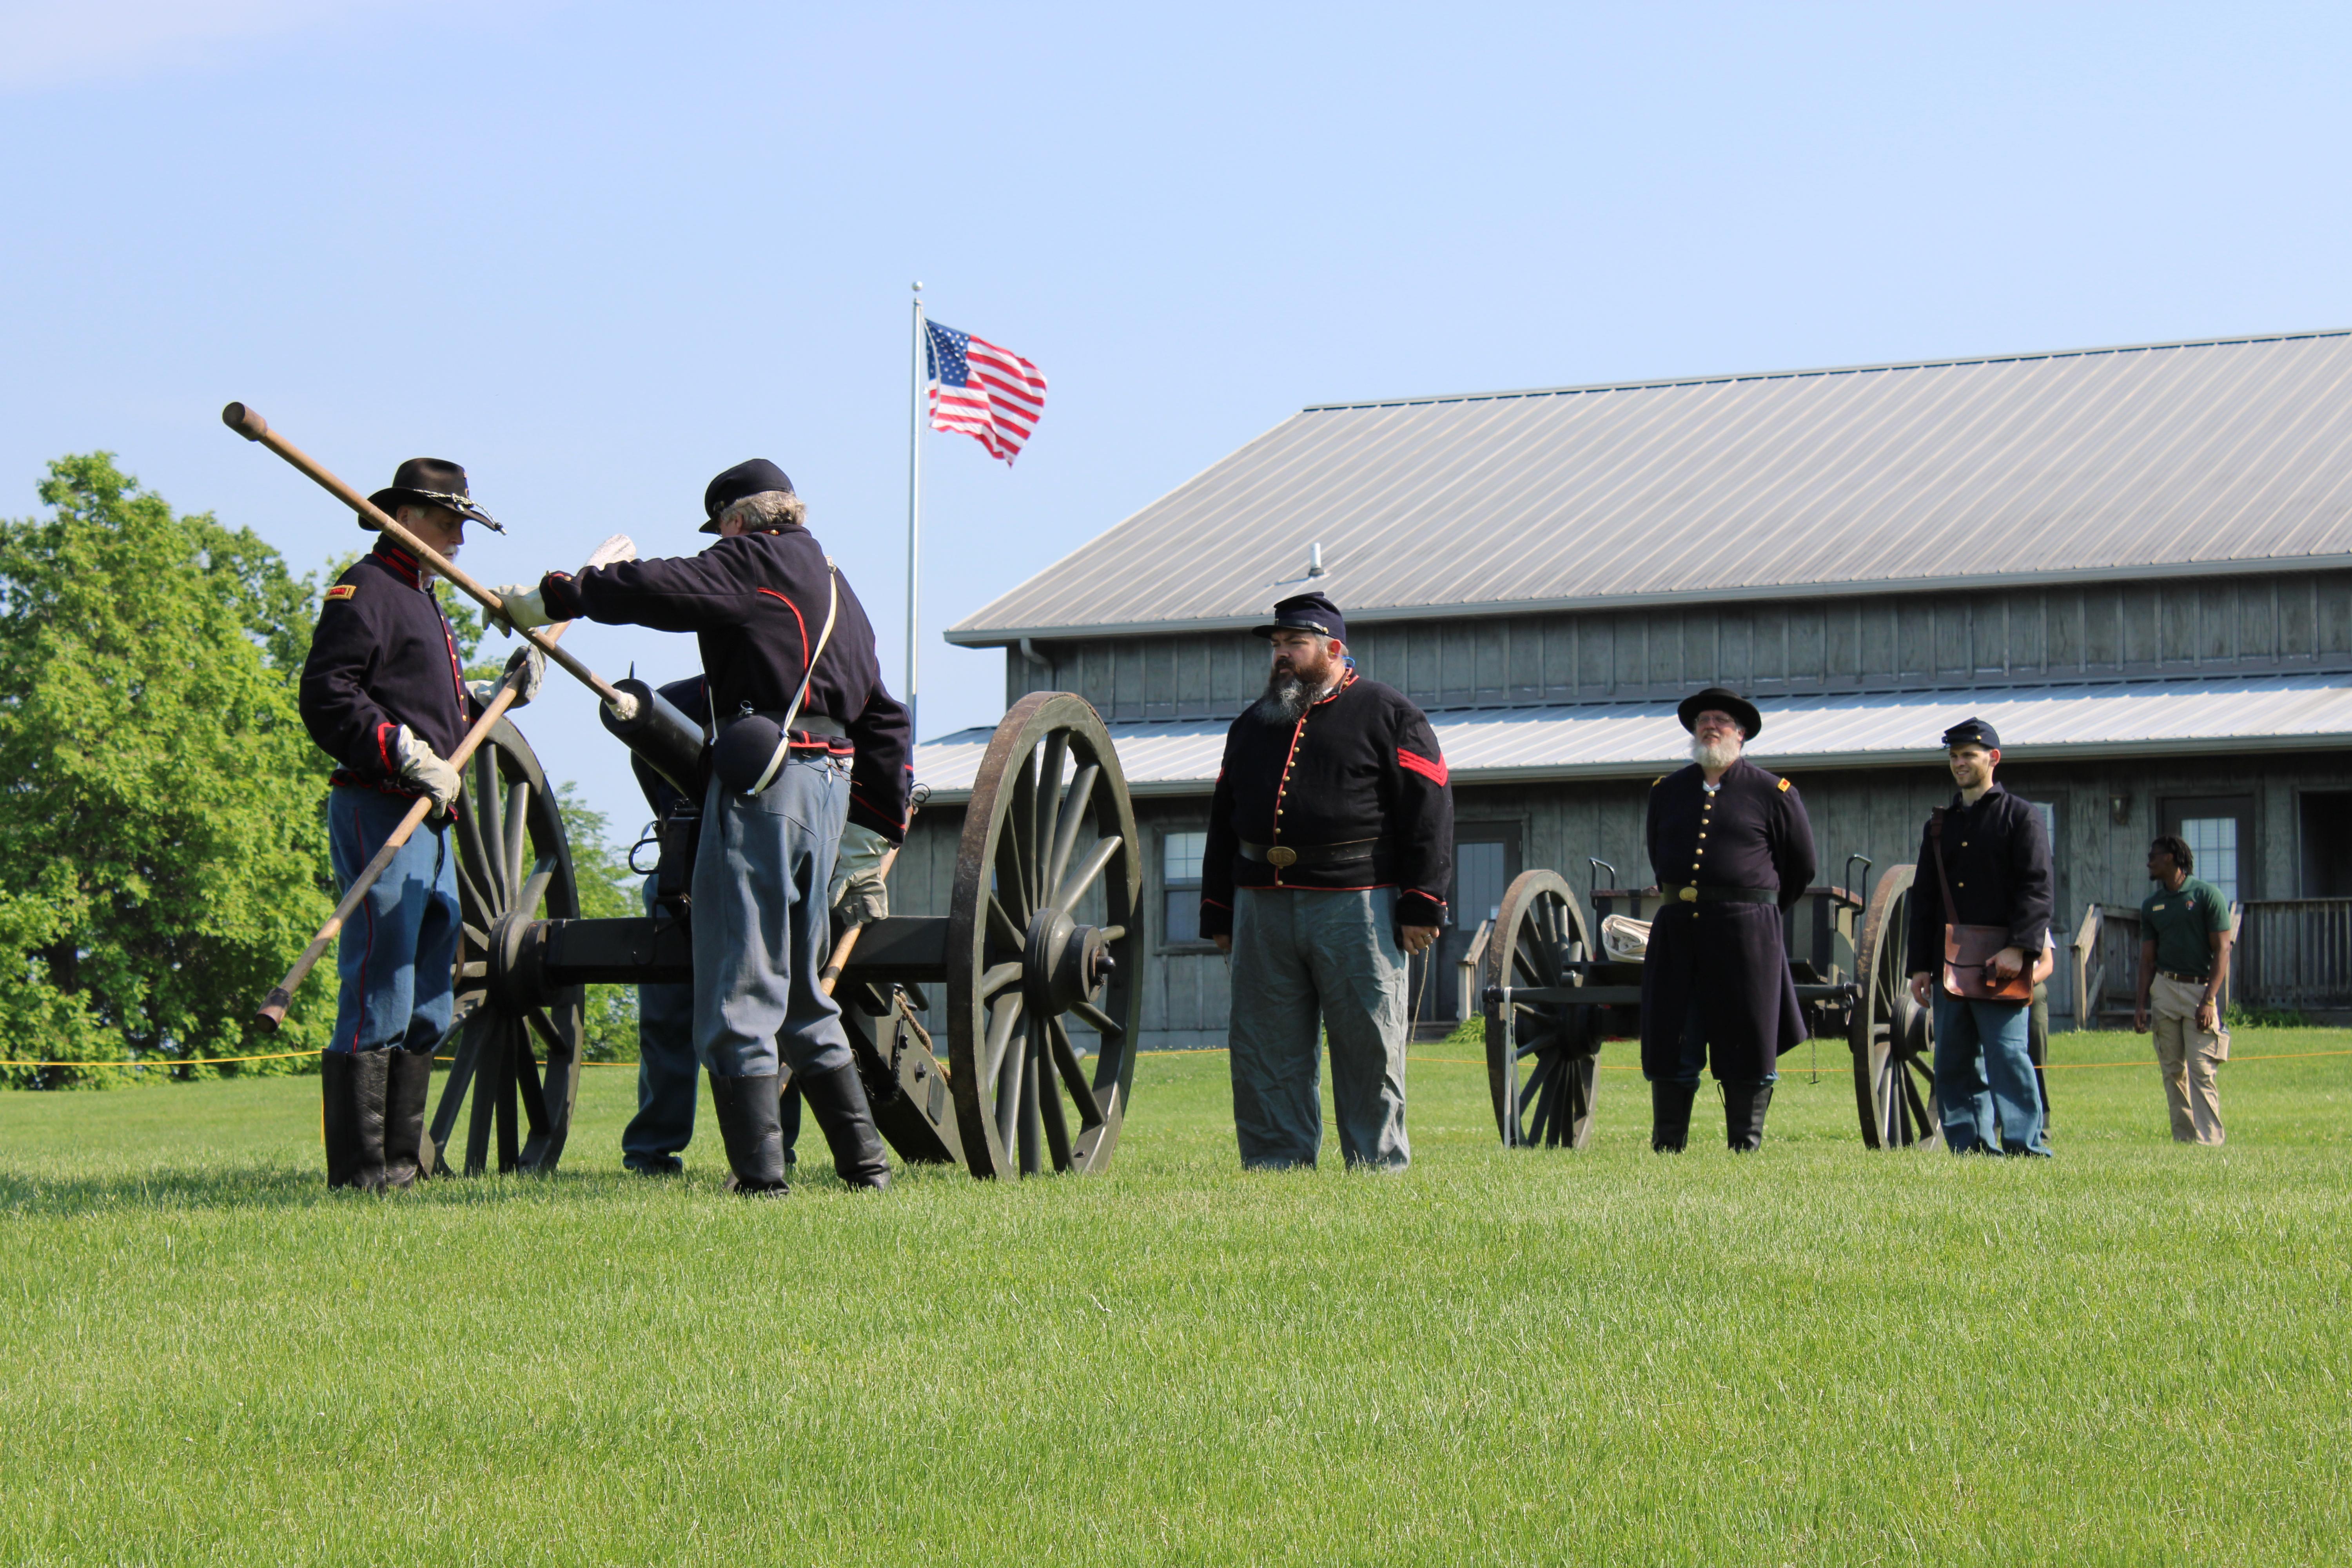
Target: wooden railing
[[2295, 952], [2107, 966]]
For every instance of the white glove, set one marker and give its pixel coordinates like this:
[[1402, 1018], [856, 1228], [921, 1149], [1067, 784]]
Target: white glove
[[613, 552], [524, 608], [858, 893], [535, 665], [422, 766]]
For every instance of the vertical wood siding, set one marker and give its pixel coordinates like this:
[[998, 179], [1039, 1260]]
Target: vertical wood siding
[[2249, 626]]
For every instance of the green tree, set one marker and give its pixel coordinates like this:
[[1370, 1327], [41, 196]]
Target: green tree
[[162, 819]]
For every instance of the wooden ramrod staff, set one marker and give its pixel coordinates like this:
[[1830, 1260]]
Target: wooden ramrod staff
[[251, 425]]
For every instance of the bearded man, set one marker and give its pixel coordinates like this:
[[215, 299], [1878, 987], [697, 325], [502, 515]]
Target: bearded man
[[1731, 848], [1330, 844]]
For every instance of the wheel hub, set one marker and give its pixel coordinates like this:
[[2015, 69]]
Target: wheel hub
[[1063, 962], [513, 979]]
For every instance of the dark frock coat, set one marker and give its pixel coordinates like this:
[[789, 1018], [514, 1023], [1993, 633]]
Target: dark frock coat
[[1727, 959]]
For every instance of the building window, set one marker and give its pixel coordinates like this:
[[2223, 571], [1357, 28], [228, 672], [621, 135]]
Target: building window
[[2213, 841], [1180, 879]]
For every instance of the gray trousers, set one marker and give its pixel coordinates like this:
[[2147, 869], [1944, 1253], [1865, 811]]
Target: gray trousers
[[1301, 958], [761, 926]]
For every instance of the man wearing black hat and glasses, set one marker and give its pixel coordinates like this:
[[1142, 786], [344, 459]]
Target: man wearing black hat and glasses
[[1331, 844], [1981, 910], [383, 694], [1731, 848], [810, 748]]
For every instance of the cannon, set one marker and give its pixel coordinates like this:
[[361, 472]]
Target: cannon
[[1553, 994], [1041, 928]]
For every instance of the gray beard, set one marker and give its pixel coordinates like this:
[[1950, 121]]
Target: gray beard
[[1286, 699], [1716, 758]]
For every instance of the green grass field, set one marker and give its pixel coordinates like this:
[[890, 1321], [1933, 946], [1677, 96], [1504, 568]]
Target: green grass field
[[2136, 1353]]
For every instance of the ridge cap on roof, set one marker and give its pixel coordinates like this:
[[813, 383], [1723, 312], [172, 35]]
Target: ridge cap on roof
[[1727, 378]]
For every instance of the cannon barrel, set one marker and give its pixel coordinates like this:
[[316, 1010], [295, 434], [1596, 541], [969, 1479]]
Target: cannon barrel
[[670, 743]]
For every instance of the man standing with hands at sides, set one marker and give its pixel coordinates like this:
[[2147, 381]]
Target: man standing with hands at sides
[[1330, 844], [810, 748], [383, 694], [2184, 957], [1731, 847], [1989, 847]]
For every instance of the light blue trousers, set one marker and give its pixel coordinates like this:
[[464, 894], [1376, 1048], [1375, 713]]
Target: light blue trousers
[[1984, 1073], [397, 962], [1303, 959], [762, 925]]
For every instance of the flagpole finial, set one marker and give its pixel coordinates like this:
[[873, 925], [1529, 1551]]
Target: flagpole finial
[[919, 285]]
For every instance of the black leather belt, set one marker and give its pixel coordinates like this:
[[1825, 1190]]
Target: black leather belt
[[1721, 895], [1279, 856], [824, 724]]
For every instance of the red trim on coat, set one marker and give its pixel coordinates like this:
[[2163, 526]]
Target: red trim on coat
[[1435, 772], [796, 610], [877, 811], [384, 751]]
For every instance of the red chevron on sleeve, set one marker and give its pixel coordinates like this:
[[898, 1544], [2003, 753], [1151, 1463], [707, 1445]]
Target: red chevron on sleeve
[[1435, 773]]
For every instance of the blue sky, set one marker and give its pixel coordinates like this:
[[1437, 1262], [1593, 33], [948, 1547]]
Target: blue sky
[[597, 252]]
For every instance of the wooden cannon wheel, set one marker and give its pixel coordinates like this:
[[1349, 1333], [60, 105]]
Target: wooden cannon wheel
[[1043, 926], [1540, 929], [514, 864], [1891, 1035]]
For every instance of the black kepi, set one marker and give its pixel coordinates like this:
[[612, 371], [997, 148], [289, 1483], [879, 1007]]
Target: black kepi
[[1972, 732], [755, 478], [1307, 613], [430, 482], [1722, 701]]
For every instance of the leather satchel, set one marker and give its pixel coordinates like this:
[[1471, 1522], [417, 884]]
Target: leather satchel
[[1968, 950]]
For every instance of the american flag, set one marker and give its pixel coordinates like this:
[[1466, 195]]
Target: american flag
[[990, 394]]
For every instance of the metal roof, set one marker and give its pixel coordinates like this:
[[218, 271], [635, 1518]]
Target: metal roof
[[1601, 740], [2088, 464]]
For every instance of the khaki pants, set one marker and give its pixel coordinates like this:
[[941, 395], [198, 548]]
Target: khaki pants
[[2187, 1057]]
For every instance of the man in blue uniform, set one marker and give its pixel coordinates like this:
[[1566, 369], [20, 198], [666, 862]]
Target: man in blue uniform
[[383, 692], [1731, 847], [797, 691], [1997, 858], [1331, 844]]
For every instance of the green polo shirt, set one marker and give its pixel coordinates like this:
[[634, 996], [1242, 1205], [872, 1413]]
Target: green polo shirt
[[2181, 923]]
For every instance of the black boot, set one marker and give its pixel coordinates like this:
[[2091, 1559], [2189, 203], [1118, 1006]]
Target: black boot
[[747, 1124], [788, 1117], [1670, 1114], [1744, 1105], [837, 1101], [408, 1152], [351, 1084]]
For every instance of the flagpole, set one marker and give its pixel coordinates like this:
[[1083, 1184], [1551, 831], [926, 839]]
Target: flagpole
[[914, 502]]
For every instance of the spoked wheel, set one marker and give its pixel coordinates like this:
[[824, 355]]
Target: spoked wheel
[[513, 861], [1892, 1035], [1541, 1062], [1042, 929]]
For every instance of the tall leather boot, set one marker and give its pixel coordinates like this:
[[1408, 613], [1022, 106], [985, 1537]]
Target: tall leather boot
[[1744, 1105], [1670, 1114], [352, 1085], [788, 1116], [408, 1153], [837, 1101], [747, 1124]]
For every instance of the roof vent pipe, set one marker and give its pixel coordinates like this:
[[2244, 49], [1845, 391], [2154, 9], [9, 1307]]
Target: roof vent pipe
[[1315, 560]]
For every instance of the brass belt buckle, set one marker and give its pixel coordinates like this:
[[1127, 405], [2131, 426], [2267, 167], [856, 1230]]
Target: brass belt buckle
[[1688, 895], [1280, 856]]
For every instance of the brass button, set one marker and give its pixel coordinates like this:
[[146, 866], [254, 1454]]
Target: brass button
[[1702, 833]]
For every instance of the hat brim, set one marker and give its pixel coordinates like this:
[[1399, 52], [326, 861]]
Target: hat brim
[[391, 498], [710, 527], [1288, 627], [1738, 708]]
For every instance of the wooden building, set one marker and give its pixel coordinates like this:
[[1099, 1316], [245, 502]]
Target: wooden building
[[2135, 563]]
